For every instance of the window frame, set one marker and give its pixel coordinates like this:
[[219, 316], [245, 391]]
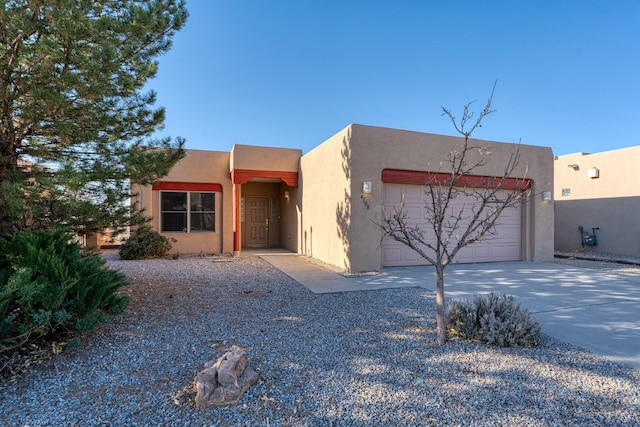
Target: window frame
[[187, 212]]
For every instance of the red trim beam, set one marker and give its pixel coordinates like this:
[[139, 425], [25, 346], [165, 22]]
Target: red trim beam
[[397, 176], [242, 176], [236, 212], [187, 186]]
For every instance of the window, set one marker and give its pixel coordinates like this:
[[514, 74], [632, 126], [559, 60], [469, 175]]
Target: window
[[174, 211], [203, 212], [187, 211]]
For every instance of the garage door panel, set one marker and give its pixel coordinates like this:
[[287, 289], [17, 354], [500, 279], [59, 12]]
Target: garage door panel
[[414, 193], [401, 255], [504, 244], [496, 252], [393, 255], [511, 233], [482, 252], [465, 256]]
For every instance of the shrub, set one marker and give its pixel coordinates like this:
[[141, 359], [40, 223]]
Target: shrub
[[47, 285], [145, 243], [493, 319]]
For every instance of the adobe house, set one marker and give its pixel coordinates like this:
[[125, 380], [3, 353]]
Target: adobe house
[[598, 191], [324, 203]]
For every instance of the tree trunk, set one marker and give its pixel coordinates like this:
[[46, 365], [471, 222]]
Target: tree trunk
[[440, 326]]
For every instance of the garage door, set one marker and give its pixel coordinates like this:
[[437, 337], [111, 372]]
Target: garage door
[[505, 245]]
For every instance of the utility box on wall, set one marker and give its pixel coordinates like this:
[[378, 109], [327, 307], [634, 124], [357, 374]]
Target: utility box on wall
[[593, 172]]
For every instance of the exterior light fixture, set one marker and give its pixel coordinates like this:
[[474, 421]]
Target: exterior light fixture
[[286, 195], [366, 187], [574, 166], [546, 196]]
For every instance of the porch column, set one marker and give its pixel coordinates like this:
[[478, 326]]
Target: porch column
[[236, 225]]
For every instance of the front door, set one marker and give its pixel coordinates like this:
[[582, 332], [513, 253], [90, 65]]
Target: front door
[[258, 225]]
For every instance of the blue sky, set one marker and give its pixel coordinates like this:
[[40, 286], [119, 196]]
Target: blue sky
[[291, 73]]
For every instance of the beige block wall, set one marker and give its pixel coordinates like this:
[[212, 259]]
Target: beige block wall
[[610, 202], [198, 166], [344, 218]]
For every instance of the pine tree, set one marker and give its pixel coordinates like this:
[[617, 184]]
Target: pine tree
[[76, 124]]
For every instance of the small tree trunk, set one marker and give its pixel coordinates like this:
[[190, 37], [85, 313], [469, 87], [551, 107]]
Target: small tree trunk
[[440, 326]]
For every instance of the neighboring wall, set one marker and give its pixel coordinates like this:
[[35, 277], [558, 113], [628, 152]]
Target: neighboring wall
[[105, 239], [610, 202], [340, 228], [198, 166]]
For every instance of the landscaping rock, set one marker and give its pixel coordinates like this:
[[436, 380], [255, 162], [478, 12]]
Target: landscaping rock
[[224, 381]]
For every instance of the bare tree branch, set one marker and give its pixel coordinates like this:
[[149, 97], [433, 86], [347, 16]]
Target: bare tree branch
[[449, 227]]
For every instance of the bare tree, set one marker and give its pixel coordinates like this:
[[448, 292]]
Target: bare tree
[[449, 226]]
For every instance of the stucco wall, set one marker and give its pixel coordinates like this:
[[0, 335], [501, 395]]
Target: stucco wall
[[345, 218], [610, 202], [290, 219], [326, 199], [327, 216], [198, 166], [252, 157]]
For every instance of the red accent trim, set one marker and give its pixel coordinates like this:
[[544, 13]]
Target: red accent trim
[[236, 232], [242, 176], [439, 178], [187, 186]]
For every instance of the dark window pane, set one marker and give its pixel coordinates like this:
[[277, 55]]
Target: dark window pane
[[203, 202], [174, 221], [172, 202], [203, 221]]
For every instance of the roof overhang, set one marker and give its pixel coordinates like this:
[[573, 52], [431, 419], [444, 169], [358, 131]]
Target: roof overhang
[[439, 178], [242, 176]]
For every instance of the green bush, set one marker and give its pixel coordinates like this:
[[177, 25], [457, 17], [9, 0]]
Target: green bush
[[493, 319], [47, 285], [145, 243]]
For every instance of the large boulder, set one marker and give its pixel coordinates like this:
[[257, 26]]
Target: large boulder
[[224, 381]]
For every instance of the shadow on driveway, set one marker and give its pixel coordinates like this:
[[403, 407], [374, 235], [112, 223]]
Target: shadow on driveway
[[593, 309]]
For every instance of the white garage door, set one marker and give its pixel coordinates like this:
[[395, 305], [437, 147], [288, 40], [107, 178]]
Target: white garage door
[[505, 245]]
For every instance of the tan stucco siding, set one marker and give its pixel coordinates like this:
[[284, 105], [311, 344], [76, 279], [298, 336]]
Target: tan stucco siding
[[290, 209], [251, 157], [326, 215], [198, 166], [610, 202], [374, 149], [326, 199], [616, 171], [339, 221]]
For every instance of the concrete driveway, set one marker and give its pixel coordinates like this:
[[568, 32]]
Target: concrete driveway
[[594, 309]]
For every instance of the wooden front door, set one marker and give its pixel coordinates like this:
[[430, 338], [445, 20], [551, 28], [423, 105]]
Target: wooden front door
[[258, 225]]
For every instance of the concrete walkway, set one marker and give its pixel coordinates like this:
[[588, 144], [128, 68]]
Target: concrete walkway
[[320, 280], [593, 309]]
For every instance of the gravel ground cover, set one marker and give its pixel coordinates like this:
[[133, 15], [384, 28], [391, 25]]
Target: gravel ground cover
[[347, 359], [600, 261]]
